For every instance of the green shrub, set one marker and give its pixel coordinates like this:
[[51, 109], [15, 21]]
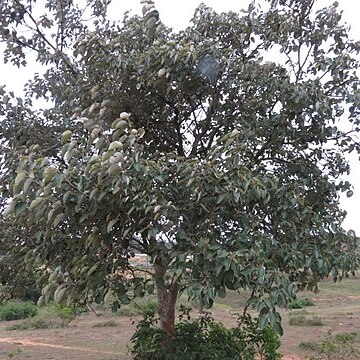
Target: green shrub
[[148, 340], [139, 308], [300, 303], [17, 311], [266, 341], [67, 313], [205, 339]]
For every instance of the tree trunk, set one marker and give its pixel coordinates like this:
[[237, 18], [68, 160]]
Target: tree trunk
[[167, 296]]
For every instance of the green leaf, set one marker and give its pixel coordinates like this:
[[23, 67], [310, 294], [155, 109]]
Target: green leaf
[[20, 177], [27, 184], [66, 136], [19, 208], [93, 269], [220, 198], [150, 288], [58, 178], [111, 224], [221, 293], [57, 219]]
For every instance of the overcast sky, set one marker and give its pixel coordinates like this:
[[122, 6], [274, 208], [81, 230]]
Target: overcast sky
[[177, 14]]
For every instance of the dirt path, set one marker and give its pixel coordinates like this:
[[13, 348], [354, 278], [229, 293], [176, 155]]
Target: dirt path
[[25, 342], [80, 341]]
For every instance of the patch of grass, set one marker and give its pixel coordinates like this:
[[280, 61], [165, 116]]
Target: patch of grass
[[139, 308], [345, 337], [67, 313], [108, 323], [308, 345], [339, 346], [14, 354], [34, 324], [303, 318], [16, 311], [301, 303]]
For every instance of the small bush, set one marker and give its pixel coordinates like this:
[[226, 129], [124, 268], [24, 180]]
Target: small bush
[[139, 308], [67, 313], [17, 311], [303, 318], [301, 303], [204, 339]]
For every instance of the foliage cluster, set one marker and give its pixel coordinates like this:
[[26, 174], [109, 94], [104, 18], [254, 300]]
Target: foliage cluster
[[139, 307], [17, 281], [300, 303], [205, 339], [47, 317], [67, 313], [16, 311]]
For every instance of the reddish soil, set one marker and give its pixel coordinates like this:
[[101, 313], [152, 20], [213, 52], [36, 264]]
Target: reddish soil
[[79, 341]]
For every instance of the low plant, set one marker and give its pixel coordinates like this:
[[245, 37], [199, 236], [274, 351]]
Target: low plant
[[67, 313], [16, 311], [340, 346], [345, 337], [14, 354], [139, 308], [300, 303], [108, 323], [32, 324], [204, 339], [308, 345], [265, 341], [303, 318]]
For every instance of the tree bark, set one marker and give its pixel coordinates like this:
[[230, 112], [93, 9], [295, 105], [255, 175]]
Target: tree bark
[[167, 296]]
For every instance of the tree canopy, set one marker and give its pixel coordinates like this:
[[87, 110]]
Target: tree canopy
[[218, 151]]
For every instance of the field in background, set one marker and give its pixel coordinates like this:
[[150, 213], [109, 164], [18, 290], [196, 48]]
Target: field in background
[[336, 310]]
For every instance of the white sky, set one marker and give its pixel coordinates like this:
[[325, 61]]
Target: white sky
[[177, 14]]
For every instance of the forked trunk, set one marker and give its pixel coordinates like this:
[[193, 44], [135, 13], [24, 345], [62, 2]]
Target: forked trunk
[[167, 296]]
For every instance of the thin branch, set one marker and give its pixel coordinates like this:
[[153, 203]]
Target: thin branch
[[43, 37]]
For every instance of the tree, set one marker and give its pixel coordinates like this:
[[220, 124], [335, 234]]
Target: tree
[[196, 148]]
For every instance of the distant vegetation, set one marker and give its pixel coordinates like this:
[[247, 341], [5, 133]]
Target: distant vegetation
[[16, 311]]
